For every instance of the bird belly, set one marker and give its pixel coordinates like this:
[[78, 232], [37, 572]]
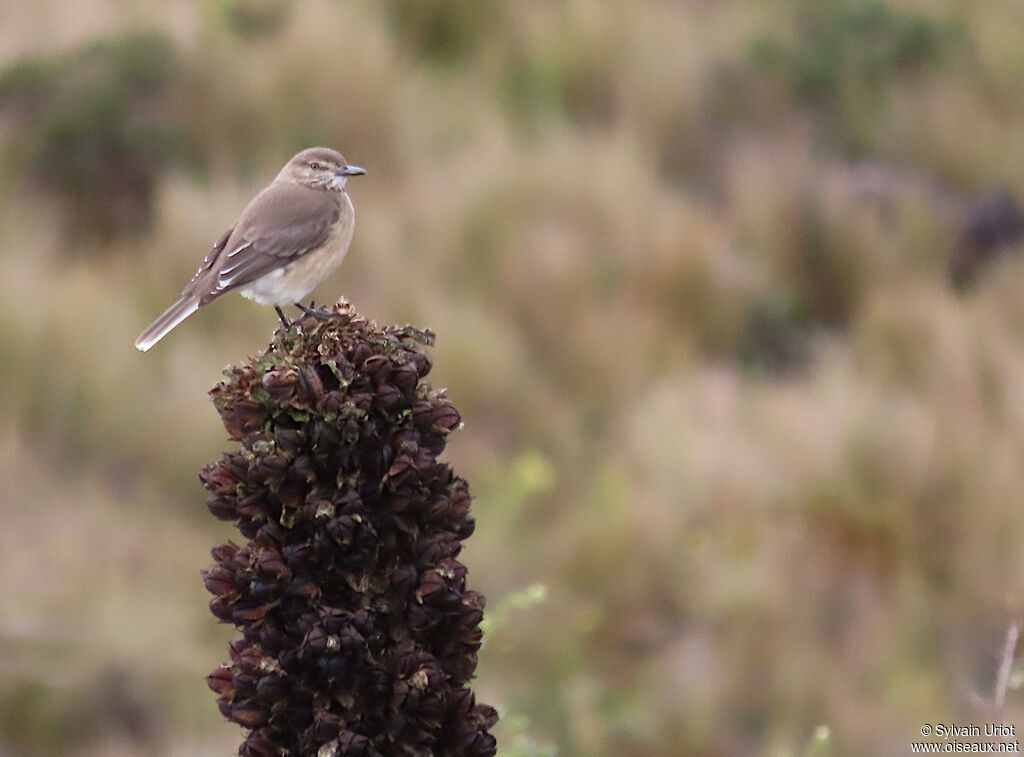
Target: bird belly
[[292, 282]]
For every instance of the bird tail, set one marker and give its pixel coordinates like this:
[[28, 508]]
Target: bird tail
[[170, 318]]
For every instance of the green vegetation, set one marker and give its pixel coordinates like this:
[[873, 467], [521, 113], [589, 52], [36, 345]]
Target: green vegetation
[[96, 127], [439, 31], [846, 55]]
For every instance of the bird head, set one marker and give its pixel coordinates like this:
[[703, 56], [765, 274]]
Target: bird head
[[320, 168]]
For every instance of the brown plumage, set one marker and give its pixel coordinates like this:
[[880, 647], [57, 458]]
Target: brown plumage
[[287, 240]]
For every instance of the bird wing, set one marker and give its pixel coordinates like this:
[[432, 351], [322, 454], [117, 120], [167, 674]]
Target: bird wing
[[282, 223], [195, 284]]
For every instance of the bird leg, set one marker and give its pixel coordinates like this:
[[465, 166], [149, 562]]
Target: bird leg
[[319, 313], [284, 321]]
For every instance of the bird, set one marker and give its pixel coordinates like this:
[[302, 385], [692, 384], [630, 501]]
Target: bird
[[290, 237]]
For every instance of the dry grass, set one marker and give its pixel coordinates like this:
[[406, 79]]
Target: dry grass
[[719, 399]]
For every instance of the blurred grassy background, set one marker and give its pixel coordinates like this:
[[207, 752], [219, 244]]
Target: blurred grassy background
[[748, 467]]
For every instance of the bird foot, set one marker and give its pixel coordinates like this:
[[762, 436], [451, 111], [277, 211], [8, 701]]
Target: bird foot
[[284, 321], [321, 314]]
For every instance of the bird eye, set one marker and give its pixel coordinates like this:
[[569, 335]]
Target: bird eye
[[315, 166]]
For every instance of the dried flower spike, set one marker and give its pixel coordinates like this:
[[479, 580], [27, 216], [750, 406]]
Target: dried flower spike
[[359, 636]]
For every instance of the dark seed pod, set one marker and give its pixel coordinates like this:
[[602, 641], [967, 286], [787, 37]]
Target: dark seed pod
[[388, 397], [310, 387], [289, 440], [242, 417], [446, 418], [423, 363], [280, 384], [222, 507], [358, 633], [222, 682], [360, 352], [218, 479], [377, 368], [258, 745], [219, 581], [405, 377]]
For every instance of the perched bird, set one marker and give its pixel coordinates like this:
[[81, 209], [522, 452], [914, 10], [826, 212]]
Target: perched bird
[[287, 240]]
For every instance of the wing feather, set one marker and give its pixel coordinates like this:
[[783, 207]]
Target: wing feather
[[283, 223]]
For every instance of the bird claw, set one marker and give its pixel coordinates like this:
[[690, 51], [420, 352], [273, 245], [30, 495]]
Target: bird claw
[[320, 314]]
